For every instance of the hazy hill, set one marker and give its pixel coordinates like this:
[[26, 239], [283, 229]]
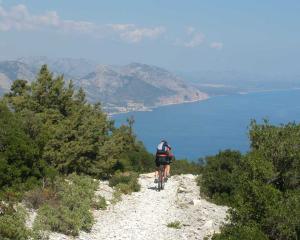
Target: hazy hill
[[136, 85], [11, 70], [119, 88], [70, 67], [229, 82]]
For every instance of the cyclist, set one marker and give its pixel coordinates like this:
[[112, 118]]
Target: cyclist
[[163, 157]]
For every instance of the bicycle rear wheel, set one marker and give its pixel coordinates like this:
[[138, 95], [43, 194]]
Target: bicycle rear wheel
[[161, 182]]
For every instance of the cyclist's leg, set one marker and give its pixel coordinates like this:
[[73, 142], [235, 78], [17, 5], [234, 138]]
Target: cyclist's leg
[[167, 173], [171, 158], [168, 170]]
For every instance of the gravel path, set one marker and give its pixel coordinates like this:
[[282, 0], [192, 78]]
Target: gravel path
[[144, 215]]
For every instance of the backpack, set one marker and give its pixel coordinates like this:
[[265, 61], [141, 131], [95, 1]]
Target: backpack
[[162, 148]]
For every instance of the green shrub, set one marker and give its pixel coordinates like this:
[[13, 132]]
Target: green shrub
[[282, 220], [240, 232], [124, 188], [218, 181], [262, 186], [99, 203], [12, 225], [125, 182], [19, 160], [280, 146], [64, 220], [184, 166], [175, 224], [122, 177], [117, 196], [9, 195], [72, 214], [128, 188], [37, 197]]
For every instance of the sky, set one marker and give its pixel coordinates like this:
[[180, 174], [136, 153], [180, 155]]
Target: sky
[[193, 35]]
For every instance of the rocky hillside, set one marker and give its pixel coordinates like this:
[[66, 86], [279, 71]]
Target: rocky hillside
[[119, 88], [70, 67], [137, 85], [11, 70]]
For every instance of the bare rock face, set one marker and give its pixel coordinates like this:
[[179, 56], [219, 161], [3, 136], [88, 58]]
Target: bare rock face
[[145, 215]]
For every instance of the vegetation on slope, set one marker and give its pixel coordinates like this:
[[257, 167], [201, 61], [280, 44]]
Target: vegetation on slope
[[48, 127], [126, 182], [68, 211], [47, 132], [184, 166], [262, 186]]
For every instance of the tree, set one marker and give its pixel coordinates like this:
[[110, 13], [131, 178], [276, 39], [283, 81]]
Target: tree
[[218, 180], [266, 199], [19, 88], [281, 146], [77, 140], [18, 153], [67, 133]]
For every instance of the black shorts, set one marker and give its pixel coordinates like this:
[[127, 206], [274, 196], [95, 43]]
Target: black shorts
[[159, 160]]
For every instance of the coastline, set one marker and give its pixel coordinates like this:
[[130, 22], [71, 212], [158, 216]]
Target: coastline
[[268, 90], [149, 109]]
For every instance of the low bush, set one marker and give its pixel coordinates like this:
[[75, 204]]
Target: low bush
[[247, 232], [261, 186], [122, 177], [117, 196], [72, 213], [39, 196], [64, 220], [125, 182], [12, 224], [218, 181], [11, 195], [184, 166], [175, 224], [99, 203]]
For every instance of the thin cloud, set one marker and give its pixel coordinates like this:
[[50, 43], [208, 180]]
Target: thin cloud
[[19, 18], [192, 39], [121, 27], [135, 34], [197, 40], [216, 45], [190, 30]]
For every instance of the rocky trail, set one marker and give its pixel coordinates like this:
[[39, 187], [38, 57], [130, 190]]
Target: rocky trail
[[145, 215]]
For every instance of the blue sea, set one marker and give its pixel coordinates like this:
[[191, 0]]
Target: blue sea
[[204, 128]]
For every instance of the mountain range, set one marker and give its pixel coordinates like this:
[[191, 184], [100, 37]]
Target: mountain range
[[130, 87]]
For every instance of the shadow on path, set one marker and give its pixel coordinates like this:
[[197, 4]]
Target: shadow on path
[[153, 188]]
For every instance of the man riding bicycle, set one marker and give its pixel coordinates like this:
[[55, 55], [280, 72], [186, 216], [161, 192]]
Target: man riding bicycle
[[163, 157]]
